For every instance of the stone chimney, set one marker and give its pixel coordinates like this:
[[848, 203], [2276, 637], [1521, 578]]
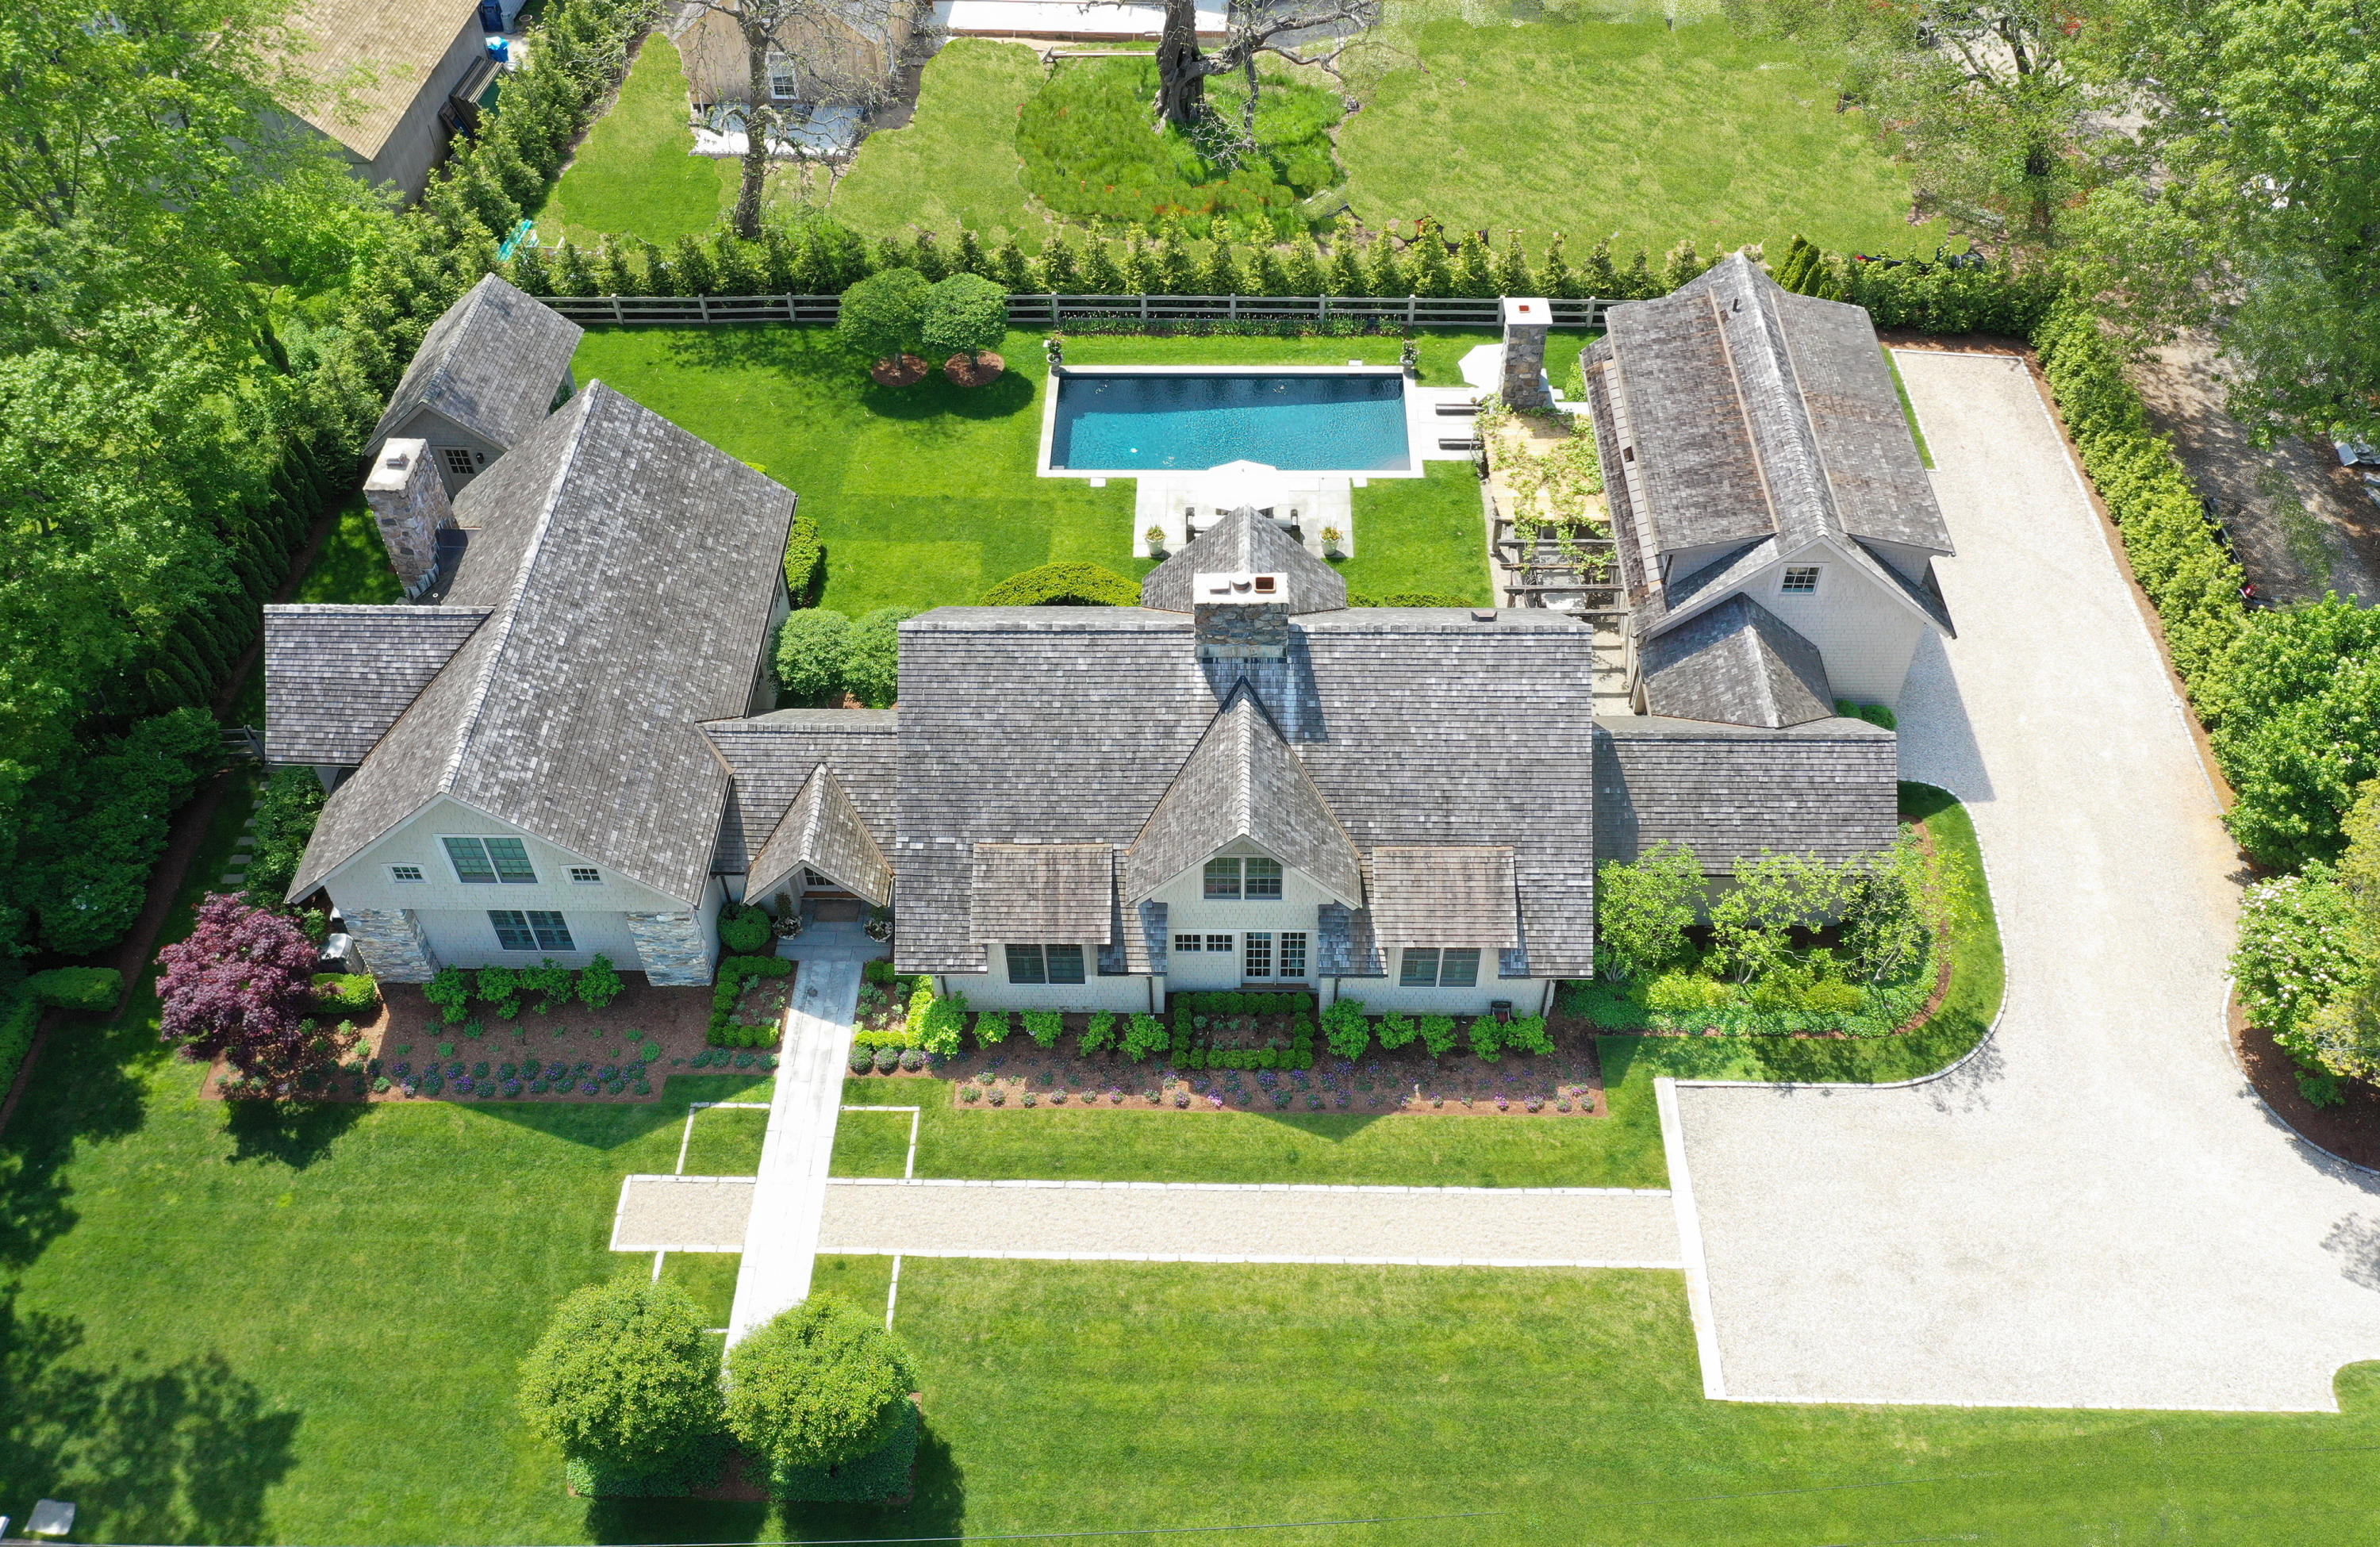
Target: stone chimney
[[1526, 322], [409, 502], [1241, 616]]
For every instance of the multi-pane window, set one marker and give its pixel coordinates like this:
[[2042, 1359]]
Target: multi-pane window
[[1045, 964], [586, 875], [1430, 967], [1189, 942], [487, 859], [1221, 942], [1801, 580], [458, 461], [534, 929], [783, 82], [1255, 960], [1293, 953], [1227, 879], [1263, 878], [405, 872], [1222, 878]]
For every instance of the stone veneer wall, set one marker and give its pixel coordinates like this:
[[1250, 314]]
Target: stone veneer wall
[[672, 948], [1525, 367], [394, 950]]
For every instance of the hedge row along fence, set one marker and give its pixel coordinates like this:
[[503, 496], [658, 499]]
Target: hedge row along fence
[[1054, 308]]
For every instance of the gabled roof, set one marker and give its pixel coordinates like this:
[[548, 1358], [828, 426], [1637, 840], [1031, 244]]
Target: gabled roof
[[336, 677], [1418, 726], [1731, 792], [1046, 891], [1244, 542], [629, 570], [824, 832], [1753, 412], [488, 365], [1739, 663], [1445, 896], [773, 756], [1243, 783]]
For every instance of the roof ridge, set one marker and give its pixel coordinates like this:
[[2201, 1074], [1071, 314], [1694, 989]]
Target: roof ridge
[[510, 608]]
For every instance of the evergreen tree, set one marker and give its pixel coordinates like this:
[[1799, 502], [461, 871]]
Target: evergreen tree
[[529, 270], [1102, 274], [781, 261], [1432, 274], [1559, 281], [1384, 272], [661, 279], [1638, 283], [1302, 270], [970, 256], [1345, 276], [929, 259], [737, 263], [614, 273], [1219, 275], [1269, 277], [695, 273], [1060, 270], [1013, 271], [1600, 278], [1683, 264], [1140, 273], [521, 182], [1474, 267], [1512, 275], [1177, 276]]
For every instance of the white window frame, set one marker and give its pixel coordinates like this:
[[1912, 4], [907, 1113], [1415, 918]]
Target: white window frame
[[495, 871], [1222, 942], [1289, 945], [1190, 942], [1809, 574], [586, 875], [1255, 956], [784, 77], [1215, 874], [408, 875]]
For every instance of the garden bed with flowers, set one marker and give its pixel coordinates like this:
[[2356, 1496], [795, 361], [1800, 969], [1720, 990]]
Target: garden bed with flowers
[[553, 1047]]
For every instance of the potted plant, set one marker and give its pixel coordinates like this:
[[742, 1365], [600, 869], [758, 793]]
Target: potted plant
[[1334, 540], [1156, 536]]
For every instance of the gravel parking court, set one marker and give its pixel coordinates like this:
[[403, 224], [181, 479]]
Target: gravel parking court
[[1158, 1222], [2095, 1209], [681, 1213]]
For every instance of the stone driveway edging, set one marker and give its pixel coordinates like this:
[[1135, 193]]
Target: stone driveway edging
[[2223, 1029], [1242, 1187], [1231, 1258]]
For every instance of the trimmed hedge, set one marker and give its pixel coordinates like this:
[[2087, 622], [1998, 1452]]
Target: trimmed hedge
[[345, 993], [1409, 599], [734, 974], [1064, 585], [92, 989], [882, 1473], [805, 562]]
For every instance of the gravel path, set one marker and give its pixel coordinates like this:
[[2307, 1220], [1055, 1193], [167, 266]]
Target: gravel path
[[681, 1213], [782, 1238], [1184, 1221], [2095, 1211]]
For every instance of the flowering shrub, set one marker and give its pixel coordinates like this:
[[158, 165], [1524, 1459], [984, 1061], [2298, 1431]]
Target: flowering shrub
[[991, 1028], [240, 986]]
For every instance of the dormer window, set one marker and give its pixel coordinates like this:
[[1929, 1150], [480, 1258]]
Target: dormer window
[[1801, 580]]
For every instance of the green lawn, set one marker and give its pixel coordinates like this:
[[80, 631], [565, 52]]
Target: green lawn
[[636, 174], [927, 495], [727, 1141], [955, 163], [1593, 126], [1621, 1150]]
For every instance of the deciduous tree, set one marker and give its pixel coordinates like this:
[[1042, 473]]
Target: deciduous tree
[[239, 986], [819, 1386], [623, 1377]]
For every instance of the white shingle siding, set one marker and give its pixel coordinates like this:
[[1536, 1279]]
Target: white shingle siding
[[1866, 637]]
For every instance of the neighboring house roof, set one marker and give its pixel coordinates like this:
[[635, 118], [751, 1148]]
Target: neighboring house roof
[[573, 712], [1242, 783], [1443, 896], [1061, 892], [1757, 412], [336, 677], [1737, 663], [1731, 793], [773, 756], [1416, 726], [823, 831], [1244, 542], [397, 42], [488, 365]]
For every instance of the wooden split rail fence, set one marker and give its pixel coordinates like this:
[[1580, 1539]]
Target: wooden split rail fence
[[1054, 309]]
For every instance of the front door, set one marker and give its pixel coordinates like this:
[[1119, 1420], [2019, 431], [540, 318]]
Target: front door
[[1273, 956]]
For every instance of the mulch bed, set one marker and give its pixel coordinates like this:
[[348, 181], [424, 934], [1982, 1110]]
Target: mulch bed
[[908, 370], [966, 373], [407, 1029], [1379, 1084], [2350, 1132]]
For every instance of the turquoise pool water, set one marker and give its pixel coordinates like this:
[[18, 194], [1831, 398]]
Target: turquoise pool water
[[1304, 424]]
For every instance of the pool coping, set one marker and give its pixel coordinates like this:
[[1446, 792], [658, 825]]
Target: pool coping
[[1415, 455]]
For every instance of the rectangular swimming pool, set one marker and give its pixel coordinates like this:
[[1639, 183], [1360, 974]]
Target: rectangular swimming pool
[[1299, 421]]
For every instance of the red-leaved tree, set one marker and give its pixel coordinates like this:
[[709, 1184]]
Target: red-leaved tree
[[240, 986]]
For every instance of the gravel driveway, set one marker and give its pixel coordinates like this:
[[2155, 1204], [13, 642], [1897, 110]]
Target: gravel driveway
[[2095, 1211]]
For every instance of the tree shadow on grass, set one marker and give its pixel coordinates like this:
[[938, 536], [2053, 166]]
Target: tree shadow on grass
[[83, 1089], [937, 1508], [294, 1134], [184, 1451]]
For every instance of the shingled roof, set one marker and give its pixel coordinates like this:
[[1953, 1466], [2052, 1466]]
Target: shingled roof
[[1417, 726], [1244, 542], [1444, 896], [336, 677], [372, 59], [1737, 663], [573, 711], [1731, 793], [1064, 891], [1242, 782], [823, 831], [488, 365], [773, 756]]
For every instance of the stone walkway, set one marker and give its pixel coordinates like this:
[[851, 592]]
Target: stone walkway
[[2094, 1209], [1511, 1227], [681, 1213], [781, 1241]]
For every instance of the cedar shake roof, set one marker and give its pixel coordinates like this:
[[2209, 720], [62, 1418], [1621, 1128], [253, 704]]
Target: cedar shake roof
[[573, 712], [336, 677], [1045, 891], [822, 831], [490, 365], [1737, 663], [1416, 727], [1730, 793], [1242, 782], [1244, 542], [1444, 896], [773, 756], [400, 43]]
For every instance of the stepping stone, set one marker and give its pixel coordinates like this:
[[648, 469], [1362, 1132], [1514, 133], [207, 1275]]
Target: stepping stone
[[247, 840], [232, 881]]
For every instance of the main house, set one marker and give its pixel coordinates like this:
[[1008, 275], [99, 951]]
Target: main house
[[568, 743]]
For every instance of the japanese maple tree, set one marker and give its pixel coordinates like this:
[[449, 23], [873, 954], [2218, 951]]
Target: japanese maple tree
[[240, 986]]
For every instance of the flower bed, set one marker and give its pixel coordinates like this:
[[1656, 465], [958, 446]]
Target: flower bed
[[573, 1051]]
